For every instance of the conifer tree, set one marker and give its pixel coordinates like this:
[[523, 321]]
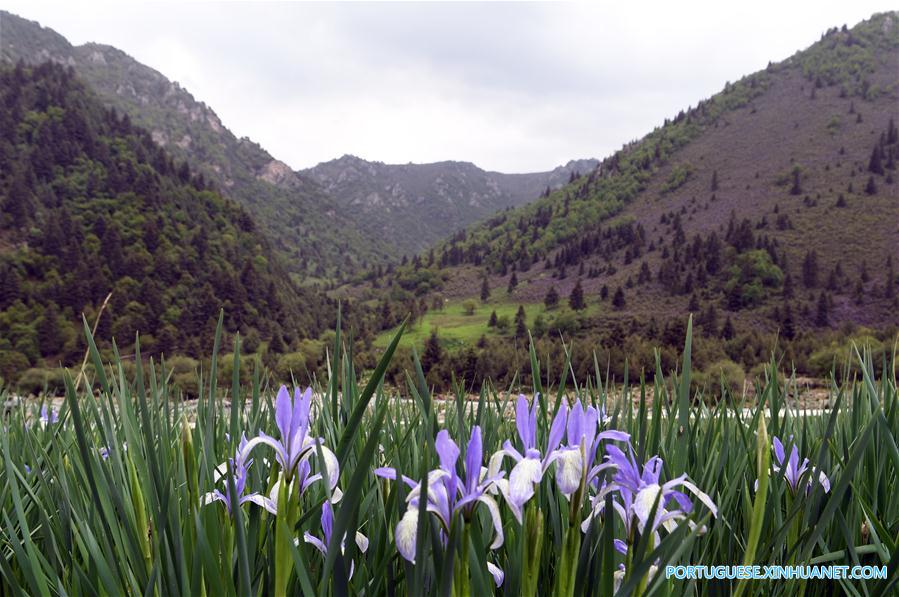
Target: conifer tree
[[551, 300], [485, 290], [521, 330], [513, 282], [618, 300], [576, 298]]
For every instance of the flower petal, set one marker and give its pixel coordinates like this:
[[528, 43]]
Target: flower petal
[[316, 542], [557, 429], [778, 450], [406, 534], [497, 573], [283, 414], [569, 470], [493, 508], [522, 479]]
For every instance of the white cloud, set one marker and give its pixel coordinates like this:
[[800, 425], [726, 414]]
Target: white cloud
[[511, 87]]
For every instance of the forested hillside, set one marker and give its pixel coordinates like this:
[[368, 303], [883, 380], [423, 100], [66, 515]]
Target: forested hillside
[[91, 205], [770, 211], [318, 240]]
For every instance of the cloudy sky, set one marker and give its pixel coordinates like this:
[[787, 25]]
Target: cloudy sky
[[512, 87]]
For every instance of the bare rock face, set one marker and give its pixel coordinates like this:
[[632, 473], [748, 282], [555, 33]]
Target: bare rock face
[[278, 173]]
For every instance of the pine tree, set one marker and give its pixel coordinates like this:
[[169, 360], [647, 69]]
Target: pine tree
[[618, 300], [727, 331], [889, 288], [810, 270], [433, 352], [875, 164], [492, 321], [788, 324], [576, 298], [551, 300], [714, 180], [49, 338], [796, 189], [821, 312], [521, 330], [485, 290], [693, 307], [871, 187], [513, 282]]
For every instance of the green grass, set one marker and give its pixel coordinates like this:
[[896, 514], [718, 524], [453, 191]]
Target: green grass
[[457, 329]]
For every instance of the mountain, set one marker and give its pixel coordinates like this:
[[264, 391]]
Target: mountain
[[92, 205], [769, 208], [316, 239], [433, 200]]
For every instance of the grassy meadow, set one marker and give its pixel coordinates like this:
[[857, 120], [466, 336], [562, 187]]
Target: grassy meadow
[[554, 492]]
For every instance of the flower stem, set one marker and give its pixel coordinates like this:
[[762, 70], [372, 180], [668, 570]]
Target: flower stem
[[533, 547]]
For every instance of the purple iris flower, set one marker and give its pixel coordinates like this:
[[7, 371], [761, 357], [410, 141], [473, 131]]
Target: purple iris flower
[[449, 493], [327, 521], [295, 446], [637, 488], [239, 468], [576, 457], [48, 415], [579, 427], [794, 471], [531, 465]]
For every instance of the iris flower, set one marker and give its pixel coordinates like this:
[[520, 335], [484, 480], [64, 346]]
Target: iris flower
[[239, 467], [794, 471], [637, 489], [327, 526], [449, 493], [295, 446], [576, 457], [48, 415], [571, 460]]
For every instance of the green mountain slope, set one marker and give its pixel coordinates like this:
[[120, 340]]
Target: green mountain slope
[[302, 221], [768, 208], [416, 205], [91, 206]]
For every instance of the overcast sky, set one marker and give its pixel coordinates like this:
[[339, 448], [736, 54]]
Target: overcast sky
[[511, 87]]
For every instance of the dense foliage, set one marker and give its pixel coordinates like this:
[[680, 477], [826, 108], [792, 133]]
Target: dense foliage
[[91, 207]]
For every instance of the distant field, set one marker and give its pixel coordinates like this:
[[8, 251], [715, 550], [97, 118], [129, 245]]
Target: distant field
[[456, 328]]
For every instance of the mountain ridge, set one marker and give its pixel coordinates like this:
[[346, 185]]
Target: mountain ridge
[[298, 216], [446, 195]]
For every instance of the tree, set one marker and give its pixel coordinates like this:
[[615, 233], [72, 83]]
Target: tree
[[521, 330], [513, 282], [875, 164], [796, 189], [727, 330], [889, 288], [821, 311], [576, 298], [551, 300], [693, 307], [49, 335], [492, 321], [469, 307], [618, 300], [433, 352], [714, 180], [810, 269], [485, 290], [788, 324], [871, 187]]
